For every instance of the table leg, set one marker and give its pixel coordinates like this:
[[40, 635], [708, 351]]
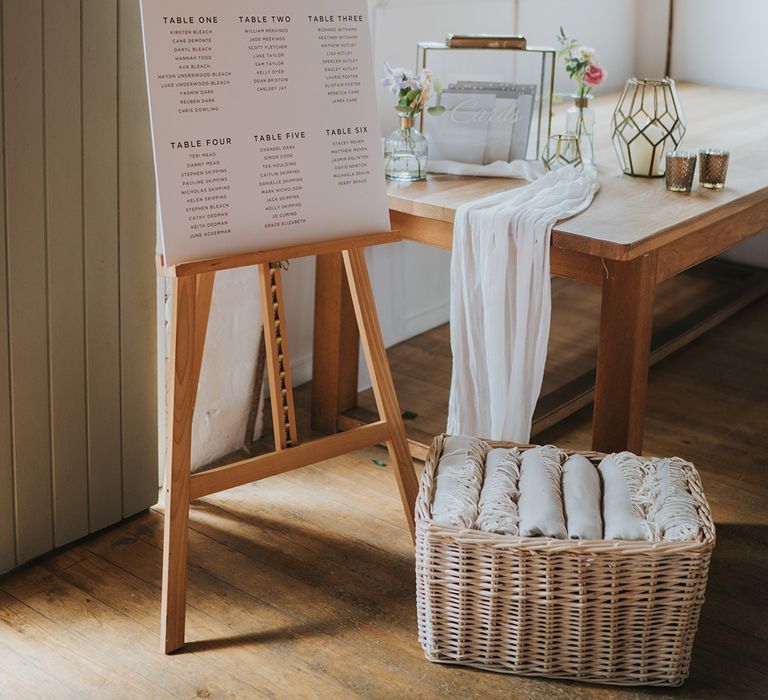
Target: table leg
[[336, 345], [626, 324]]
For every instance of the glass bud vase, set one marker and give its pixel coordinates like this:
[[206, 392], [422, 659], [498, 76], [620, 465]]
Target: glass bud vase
[[405, 153], [580, 121]]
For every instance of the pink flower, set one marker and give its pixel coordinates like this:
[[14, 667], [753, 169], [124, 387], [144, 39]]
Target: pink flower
[[594, 75]]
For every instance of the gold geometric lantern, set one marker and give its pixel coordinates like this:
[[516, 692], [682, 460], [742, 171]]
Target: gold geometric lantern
[[647, 123], [562, 150]]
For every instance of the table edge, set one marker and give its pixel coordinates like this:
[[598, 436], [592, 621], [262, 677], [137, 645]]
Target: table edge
[[613, 251]]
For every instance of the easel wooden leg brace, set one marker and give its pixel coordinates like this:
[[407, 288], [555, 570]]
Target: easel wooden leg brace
[[191, 305]]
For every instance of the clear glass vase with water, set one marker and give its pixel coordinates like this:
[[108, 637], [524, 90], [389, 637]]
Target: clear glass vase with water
[[580, 121], [405, 153]]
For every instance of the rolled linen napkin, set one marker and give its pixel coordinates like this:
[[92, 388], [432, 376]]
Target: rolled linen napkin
[[541, 494], [675, 513], [581, 499], [627, 494], [458, 480], [497, 510]]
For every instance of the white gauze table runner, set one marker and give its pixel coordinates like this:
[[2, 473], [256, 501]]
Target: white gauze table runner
[[501, 299]]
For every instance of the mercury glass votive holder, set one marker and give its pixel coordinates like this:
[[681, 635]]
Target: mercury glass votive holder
[[713, 167], [681, 166]]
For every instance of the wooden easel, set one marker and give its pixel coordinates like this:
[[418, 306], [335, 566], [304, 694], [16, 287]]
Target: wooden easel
[[192, 291]]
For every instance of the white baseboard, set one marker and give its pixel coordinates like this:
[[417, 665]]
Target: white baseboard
[[425, 320], [301, 370]]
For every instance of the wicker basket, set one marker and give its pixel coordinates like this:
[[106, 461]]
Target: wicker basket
[[614, 612]]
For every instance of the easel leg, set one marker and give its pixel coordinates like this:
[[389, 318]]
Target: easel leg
[[278, 363], [381, 378], [191, 304]]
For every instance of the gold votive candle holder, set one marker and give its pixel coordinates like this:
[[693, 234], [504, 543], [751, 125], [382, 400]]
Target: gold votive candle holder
[[713, 167], [681, 165], [562, 150]]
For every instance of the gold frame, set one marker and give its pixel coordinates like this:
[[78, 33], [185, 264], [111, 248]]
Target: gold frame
[[424, 47]]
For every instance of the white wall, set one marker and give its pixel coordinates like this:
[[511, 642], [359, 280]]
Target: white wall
[[299, 296], [651, 22], [606, 25], [225, 392], [723, 43]]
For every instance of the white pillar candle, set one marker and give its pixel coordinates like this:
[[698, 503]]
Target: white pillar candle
[[646, 161]]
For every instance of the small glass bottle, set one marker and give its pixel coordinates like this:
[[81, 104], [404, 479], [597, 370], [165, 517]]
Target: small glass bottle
[[405, 153], [580, 120]]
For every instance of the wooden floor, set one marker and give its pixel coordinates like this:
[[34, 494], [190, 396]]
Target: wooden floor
[[303, 585]]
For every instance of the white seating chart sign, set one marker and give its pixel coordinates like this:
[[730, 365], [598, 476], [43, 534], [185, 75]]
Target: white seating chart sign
[[264, 124]]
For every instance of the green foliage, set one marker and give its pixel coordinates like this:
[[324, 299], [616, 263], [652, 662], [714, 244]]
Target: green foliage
[[411, 91], [567, 45], [577, 60]]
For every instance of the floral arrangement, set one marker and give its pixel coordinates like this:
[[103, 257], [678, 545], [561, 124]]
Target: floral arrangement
[[581, 64], [411, 90]]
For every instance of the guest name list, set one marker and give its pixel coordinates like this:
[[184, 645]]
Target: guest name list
[[264, 124]]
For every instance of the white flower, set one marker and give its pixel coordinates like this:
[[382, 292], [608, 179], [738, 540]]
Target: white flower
[[587, 53], [396, 79]]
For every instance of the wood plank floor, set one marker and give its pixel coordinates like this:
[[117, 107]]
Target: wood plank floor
[[302, 585]]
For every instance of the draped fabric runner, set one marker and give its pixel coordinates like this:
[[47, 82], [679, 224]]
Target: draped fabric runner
[[501, 300]]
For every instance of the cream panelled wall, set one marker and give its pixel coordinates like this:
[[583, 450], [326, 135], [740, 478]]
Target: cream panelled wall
[[78, 414]]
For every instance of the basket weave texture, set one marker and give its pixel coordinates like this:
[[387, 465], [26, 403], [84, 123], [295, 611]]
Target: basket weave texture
[[615, 612]]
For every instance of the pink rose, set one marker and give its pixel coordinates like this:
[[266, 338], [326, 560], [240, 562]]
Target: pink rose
[[594, 75]]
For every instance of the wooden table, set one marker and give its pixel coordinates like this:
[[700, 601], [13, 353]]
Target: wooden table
[[634, 236]]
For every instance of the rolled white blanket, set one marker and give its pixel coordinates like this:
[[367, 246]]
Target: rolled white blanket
[[581, 499], [627, 495], [675, 515], [535, 493], [458, 480], [541, 497], [498, 499]]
